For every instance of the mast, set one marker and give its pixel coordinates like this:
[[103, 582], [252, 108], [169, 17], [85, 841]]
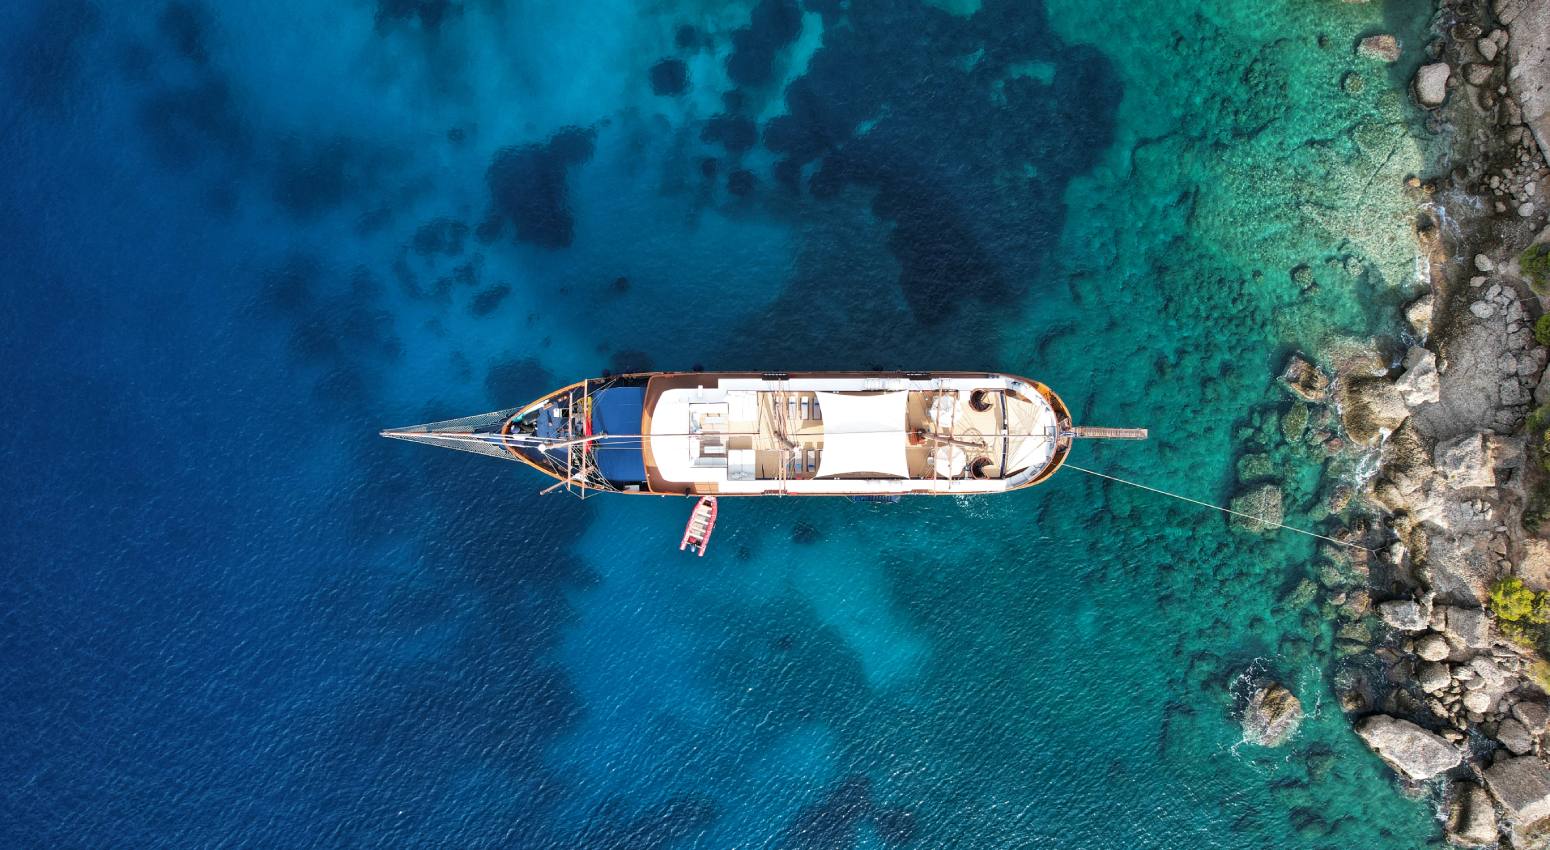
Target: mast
[[586, 428]]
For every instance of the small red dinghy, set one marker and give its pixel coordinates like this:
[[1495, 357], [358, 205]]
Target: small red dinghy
[[701, 523]]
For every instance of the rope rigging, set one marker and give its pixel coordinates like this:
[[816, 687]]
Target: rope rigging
[[592, 444], [1218, 508]]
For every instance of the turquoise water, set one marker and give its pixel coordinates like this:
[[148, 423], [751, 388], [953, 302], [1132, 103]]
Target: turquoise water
[[243, 236]]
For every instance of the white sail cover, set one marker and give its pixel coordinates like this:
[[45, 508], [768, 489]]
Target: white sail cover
[[1034, 423], [863, 434]]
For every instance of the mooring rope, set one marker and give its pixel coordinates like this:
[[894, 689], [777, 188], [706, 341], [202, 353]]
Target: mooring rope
[[1219, 508]]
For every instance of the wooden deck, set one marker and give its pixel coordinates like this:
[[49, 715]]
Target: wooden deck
[[793, 450]]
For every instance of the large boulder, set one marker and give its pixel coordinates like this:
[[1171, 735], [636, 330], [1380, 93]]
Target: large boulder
[[1407, 615], [1431, 84], [1487, 47], [1469, 627], [1304, 379], [1432, 647], [1534, 566], [1522, 786], [1259, 509], [1419, 314], [1433, 676], [1272, 715], [1383, 47], [1471, 816], [1420, 384], [1515, 736], [1488, 668], [1406, 747], [1370, 407], [1528, 22], [1532, 714], [1464, 461]]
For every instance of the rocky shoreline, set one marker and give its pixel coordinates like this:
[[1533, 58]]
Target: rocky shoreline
[[1443, 685]]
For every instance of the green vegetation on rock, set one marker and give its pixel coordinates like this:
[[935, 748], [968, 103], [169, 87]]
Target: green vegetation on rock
[[1537, 429], [1522, 613], [1539, 674], [1512, 601], [1542, 329], [1535, 265], [1295, 422], [1305, 592], [1255, 466], [1259, 510]]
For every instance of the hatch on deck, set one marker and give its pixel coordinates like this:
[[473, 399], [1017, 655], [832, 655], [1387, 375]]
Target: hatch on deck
[[617, 410]]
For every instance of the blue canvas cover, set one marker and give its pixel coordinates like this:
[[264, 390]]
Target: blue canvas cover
[[617, 410]]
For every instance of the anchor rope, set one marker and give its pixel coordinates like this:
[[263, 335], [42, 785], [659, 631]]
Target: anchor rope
[[1219, 508]]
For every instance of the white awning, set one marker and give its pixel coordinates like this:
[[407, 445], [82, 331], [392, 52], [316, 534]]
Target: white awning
[[863, 434]]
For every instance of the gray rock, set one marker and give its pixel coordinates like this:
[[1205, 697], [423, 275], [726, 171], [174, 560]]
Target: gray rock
[[1479, 701], [1477, 73], [1532, 714], [1471, 816], [1522, 786], [1488, 670], [1432, 676], [1514, 736], [1464, 461], [1420, 384], [1506, 452], [1526, 209], [1406, 747], [1469, 627], [1482, 310], [1431, 84], [1528, 49], [1509, 113], [1431, 646], [1272, 716], [1487, 48], [1483, 263], [1406, 615]]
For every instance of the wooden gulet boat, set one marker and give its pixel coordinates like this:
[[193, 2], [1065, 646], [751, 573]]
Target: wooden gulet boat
[[865, 435]]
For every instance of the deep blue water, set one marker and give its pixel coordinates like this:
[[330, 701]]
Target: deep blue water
[[238, 238]]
